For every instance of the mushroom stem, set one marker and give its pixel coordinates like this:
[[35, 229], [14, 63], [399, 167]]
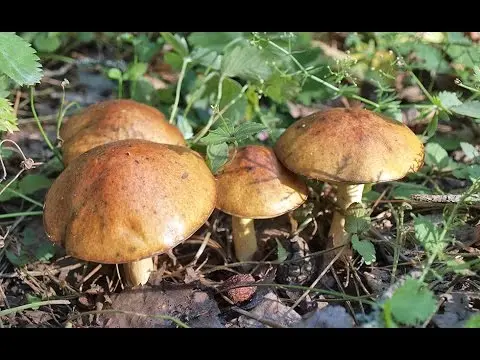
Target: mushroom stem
[[244, 238], [346, 195], [138, 272]]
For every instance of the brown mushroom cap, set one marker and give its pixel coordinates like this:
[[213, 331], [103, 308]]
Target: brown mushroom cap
[[353, 146], [127, 200], [255, 185], [113, 120]]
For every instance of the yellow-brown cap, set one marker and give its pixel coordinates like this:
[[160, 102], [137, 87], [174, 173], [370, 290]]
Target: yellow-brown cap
[[353, 146], [254, 184], [128, 200], [113, 120]]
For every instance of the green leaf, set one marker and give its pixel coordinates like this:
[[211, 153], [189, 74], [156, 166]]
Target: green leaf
[[8, 120], [178, 43], [26, 186], [4, 86], [85, 36], [44, 42], [468, 56], [470, 151], [471, 172], [184, 126], [476, 72], [404, 191], [18, 60], [217, 156], [32, 248], [231, 89], [365, 248], [213, 40], [449, 99], [473, 322], [428, 235], [431, 58], [281, 87], [135, 70], [412, 303], [115, 74], [216, 137], [469, 108], [207, 58], [174, 60], [144, 92], [356, 225], [282, 254], [436, 156], [247, 129], [246, 62]]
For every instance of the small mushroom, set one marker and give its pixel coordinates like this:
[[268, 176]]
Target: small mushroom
[[253, 184], [113, 120], [126, 201], [349, 148]]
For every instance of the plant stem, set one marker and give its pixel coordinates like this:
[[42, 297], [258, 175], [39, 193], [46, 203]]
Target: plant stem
[[37, 120], [33, 305], [23, 196], [317, 79], [25, 213], [198, 92], [185, 63]]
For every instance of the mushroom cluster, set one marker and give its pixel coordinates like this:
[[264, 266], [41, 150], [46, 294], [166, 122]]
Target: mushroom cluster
[[349, 148], [126, 192], [132, 188]]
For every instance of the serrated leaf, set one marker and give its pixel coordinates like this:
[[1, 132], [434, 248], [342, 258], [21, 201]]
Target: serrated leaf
[[365, 248], [471, 172], [184, 126], [476, 74], [207, 58], [470, 151], [436, 156], [178, 43], [216, 137], [473, 322], [468, 56], [428, 235], [213, 40], [8, 120], [356, 225], [246, 62], [18, 60], [217, 156], [247, 129], [412, 303], [469, 108], [449, 99]]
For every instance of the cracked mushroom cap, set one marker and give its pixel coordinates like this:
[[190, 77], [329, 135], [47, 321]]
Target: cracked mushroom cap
[[353, 146], [113, 120], [128, 200], [255, 185]]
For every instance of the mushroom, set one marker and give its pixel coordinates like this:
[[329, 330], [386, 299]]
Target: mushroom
[[349, 148], [253, 184], [113, 120], [126, 201]]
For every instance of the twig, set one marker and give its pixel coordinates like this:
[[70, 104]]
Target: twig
[[447, 198], [349, 305]]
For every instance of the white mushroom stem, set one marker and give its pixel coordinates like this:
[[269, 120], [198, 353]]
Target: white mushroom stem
[[346, 195], [244, 238], [138, 272]]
